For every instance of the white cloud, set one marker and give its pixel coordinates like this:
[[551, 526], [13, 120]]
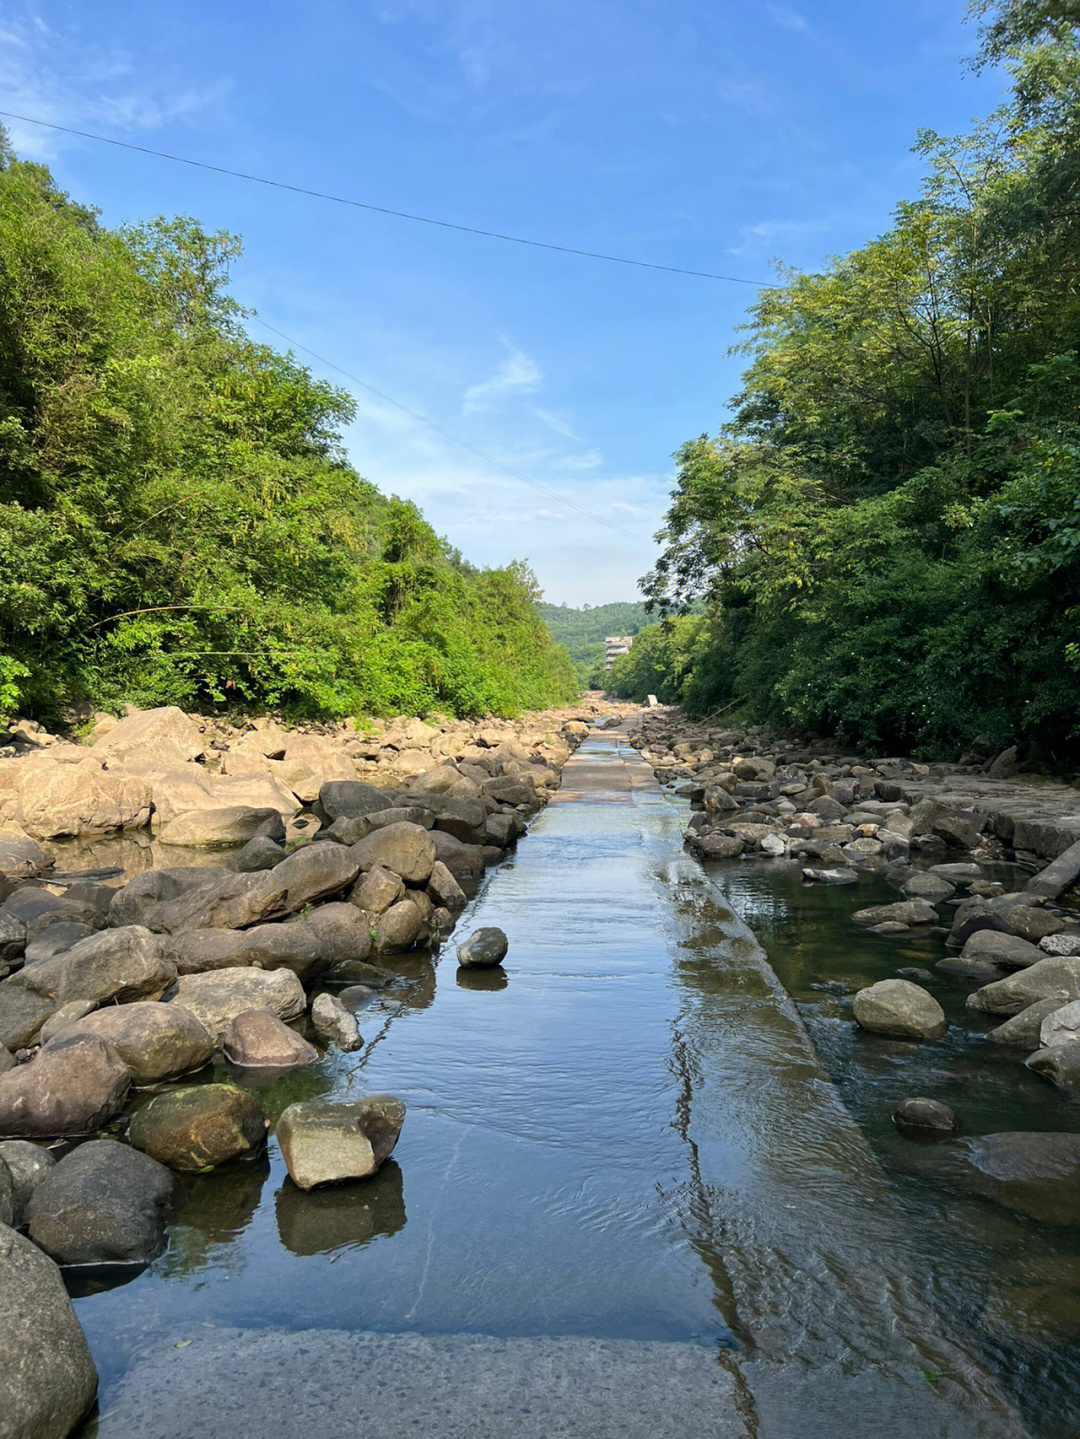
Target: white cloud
[[789, 19], [518, 374]]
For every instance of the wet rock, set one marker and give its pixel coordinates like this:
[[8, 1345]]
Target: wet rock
[[719, 846], [1023, 1029], [345, 1215], [830, 876], [915, 974], [1048, 979], [399, 928], [336, 1024], [257, 1039], [1007, 950], [961, 874], [1062, 944], [444, 888], [483, 949], [71, 1089], [978, 971], [377, 890], [47, 1376], [156, 1041], [218, 997], [1059, 1063], [216, 828], [323, 1141], [355, 996], [105, 1203], [908, 912], [260, 853], [931, 887], [27, 1165], [898, 1008], [1062, 1026], [404, 849], [1031, 923], [199, 1126], [926, 1116], [1035, 1173], [119, 964], [355, 971]]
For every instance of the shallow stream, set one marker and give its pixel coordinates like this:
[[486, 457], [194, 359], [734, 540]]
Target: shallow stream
[[627, 1135]]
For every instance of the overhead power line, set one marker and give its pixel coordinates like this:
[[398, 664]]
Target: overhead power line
[[457, 440], [385, 209]]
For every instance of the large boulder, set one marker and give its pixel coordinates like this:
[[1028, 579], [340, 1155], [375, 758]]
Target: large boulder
[[227, 825], [464, 861], [166, 730], [47, 1377], [1048, 979], [156, 1041], [189, 787], [323, 1141], [259, 853], [1035, 1173], [117, 964], [105, 1203], [57, 801], [444, 888], [1023, 1029], [27, 1165], [399, 927], [899, 1008], [375, 891], [349, 799], [217, 998], [72, 1089], [1059, 1063], [1007, 950], [199, 1126], [406, 850], [21, 857], [309, 763], [934, 888], [257, 1039]]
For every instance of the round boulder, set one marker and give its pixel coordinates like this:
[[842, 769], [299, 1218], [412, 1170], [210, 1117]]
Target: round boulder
[[199, 1126], [156, 1041], [257, 1039], [925, 1116], [483, 949], [72, 1088], [898, 1008], [104, 1203]]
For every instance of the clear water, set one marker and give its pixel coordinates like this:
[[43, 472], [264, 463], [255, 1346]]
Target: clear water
[[628, 1134]]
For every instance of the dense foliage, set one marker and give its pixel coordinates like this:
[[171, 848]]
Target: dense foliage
[[582, 632], [178, 522], [887, 533]]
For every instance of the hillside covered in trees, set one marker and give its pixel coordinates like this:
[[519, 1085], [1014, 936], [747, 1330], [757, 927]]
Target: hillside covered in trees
[[582, 632], [887, 533], [178, 522]]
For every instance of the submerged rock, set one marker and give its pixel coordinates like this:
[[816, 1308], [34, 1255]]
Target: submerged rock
[[901, 1009], [926, 1116], [908, 912], [47, 1377], [1035, 1173], [257, 1039], [323, 1141]]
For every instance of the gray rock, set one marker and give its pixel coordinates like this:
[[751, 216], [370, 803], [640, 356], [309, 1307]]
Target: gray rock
[[218, 997], [1058, 876], [219, 827], [926, 1116], [1030, 923], [257, 1039], [464, 861], [979, 971], [350, 798], [1007, 950], [199, 1126], [71, 1089], [908, 912], [156, 1041], [22, 858], [260, 853], [1005, 765], [719, 846], [404, 849], [1062, 1026], [1059, 1063], [336, 1024], [119, 964], [323, 1141], [399, 928], [105, 1203], [1035, 1173], [342, 932], [67, 1015], [1023, 1029], [47, 1376], [7, 1195], [915, 974], [444, 888], [377, 890], [962, 873], [1048, 979], [1059, 944], [12, 937], [7, 1059], [898, 1008], [27, 1165], [483, 949], [931, 887]]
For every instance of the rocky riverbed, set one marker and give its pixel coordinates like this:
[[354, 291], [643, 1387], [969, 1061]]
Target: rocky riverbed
[[271, 884]]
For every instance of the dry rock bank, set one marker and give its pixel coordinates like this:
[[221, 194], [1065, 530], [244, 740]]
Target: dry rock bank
[[285, 883]]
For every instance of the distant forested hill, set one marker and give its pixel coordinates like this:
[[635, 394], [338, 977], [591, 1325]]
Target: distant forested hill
[[178, 520], [583, 631]]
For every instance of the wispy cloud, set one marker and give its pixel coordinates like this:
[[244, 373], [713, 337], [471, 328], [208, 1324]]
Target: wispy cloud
[[519, 374], [787, 18]]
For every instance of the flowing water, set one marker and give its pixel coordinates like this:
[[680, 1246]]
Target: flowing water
[[628, 1139]]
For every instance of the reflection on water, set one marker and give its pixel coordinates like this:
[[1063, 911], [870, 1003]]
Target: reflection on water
[[479, 980], [341, 1216]]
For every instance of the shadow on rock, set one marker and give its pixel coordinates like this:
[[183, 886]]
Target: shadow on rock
[[341, 1216]]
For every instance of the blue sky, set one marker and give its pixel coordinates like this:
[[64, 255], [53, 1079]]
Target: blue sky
[[720, 137]]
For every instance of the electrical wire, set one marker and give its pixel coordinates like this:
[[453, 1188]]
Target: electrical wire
[[385, 210]]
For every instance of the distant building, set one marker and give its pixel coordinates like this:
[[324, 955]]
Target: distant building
[[614, 646]]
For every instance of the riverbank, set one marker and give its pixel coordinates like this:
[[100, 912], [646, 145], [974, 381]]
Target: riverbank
[[187, 908]]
